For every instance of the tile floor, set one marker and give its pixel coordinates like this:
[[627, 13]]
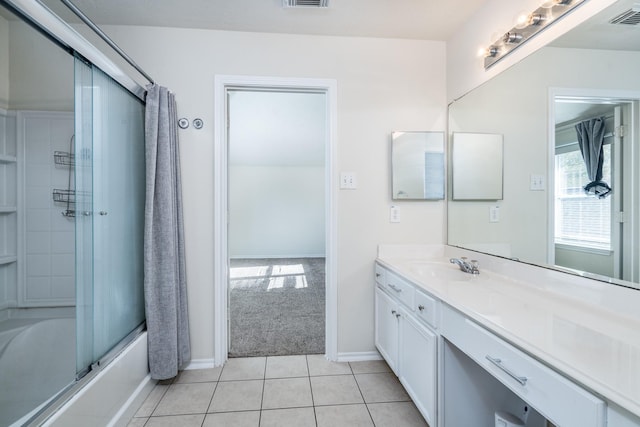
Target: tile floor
[[281, 391]]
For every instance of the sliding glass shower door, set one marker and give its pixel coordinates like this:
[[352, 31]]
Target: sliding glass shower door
[[110, 192]]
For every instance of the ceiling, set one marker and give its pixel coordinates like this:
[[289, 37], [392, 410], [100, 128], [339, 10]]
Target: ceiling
[[598, 33], [411, 19]]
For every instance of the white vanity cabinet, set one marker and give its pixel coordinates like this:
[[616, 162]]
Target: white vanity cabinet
[[386, 327], [554, 396], [417, 368], [405, 340]]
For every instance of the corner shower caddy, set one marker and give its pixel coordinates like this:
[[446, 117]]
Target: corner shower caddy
[[68, 196]]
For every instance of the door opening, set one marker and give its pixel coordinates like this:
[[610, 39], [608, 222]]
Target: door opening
[[275, 214], [276, 226]]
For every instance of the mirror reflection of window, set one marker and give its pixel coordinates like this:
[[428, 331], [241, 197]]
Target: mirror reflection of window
[[581, 219]]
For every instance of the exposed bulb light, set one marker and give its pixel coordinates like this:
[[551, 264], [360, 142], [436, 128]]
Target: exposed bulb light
[[535, 18], [526, 26]]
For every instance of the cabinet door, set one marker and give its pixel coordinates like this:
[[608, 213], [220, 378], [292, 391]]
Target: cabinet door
[[387, 328], [417, 364]]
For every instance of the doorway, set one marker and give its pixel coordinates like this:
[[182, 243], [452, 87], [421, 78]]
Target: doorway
[[276, 243], [275, 217], [591, 230]]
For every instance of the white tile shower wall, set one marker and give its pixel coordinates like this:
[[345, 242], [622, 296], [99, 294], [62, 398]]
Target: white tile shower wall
[[49, 245]]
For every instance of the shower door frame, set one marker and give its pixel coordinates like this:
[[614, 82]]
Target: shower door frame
[[220, 238]]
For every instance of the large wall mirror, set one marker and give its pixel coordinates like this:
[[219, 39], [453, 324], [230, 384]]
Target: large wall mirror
[[589, 78]]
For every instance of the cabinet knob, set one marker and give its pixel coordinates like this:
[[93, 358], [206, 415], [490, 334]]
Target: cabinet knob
[[393, 312], [103, 213], [378, 274], [397, 315], [421, 307]]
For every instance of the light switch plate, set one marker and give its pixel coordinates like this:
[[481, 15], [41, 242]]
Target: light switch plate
[[536, 182], [348, 181]]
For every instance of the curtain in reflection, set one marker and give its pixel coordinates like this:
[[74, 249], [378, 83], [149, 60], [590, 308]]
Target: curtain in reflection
[[164, 265], [591, 139]]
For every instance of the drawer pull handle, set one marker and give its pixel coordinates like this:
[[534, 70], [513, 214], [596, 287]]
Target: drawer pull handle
[[394, 287], [498, 363], [421, 307]]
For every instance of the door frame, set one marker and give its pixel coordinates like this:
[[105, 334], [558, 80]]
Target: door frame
[[632, 221], [220, 187]]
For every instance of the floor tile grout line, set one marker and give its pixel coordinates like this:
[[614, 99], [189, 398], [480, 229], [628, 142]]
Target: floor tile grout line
[[264, 374], [366, 405], [313, 401], [212, 396]]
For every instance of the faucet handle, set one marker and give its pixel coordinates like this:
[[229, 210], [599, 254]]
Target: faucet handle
[[475, 266]]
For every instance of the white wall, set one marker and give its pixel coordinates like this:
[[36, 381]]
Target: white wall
[[276, 211], [465, 64], [523, 120], [383, 85]]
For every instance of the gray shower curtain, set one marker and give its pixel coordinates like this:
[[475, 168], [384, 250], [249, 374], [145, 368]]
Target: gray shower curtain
[[590, 135], [164, 264]]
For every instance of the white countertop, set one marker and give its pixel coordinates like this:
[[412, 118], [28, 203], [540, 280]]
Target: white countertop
[[587, 330]]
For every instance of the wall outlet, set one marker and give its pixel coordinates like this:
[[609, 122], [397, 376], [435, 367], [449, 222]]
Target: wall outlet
[[348, 181], [394, 214], [536, 182], [494, 214]]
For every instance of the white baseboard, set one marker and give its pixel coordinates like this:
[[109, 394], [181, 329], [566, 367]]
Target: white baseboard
[[359, 356], [200, 364]]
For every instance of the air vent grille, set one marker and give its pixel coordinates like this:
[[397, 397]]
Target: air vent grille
[[630, 17], [305, 3]]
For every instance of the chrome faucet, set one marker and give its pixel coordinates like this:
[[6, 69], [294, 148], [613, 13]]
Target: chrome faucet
[[471, 267]]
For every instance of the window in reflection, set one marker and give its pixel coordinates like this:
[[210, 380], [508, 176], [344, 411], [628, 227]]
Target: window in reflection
[[581, 219]]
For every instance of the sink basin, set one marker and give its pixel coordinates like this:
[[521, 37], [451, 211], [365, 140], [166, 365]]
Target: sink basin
[[433, 270]]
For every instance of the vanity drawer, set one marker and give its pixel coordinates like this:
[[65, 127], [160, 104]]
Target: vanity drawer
[[380, 274], [554, 396], [400, 289], [426, 309]]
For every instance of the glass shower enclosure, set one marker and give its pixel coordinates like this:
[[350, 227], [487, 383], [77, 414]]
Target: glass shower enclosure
[[72, 195], [110, 192]]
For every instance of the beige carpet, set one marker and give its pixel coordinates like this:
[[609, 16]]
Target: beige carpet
[[277, 307]]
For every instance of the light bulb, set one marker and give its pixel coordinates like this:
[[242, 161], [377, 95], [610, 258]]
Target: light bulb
[[522, 21]]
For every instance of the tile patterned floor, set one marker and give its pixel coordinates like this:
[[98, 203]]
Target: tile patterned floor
[[281, 391]]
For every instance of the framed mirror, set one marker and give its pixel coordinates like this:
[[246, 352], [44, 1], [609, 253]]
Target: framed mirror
[[417, 164], [590, 72]]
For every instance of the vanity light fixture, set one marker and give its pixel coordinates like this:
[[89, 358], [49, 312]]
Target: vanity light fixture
[[528, 26]]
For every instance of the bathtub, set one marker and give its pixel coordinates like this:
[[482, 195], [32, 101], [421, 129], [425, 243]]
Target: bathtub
[[37, 360]]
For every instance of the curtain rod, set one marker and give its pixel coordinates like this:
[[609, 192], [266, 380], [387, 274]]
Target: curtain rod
[[106, 38]]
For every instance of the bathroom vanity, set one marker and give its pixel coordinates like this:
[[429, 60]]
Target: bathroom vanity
[[537, 343]]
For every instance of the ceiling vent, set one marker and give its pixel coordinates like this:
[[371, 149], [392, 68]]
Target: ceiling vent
[[629, 17], [305, 3]]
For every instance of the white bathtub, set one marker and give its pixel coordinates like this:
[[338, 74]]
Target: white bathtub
[[37, 360]]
